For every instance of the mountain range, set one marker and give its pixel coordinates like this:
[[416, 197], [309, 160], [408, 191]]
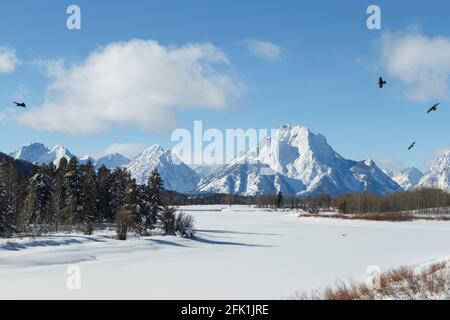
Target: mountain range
[[293, 160], [37, 153], [303, 163], [407, 178]]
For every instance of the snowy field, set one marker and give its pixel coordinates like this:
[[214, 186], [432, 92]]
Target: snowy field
[[238, 253]]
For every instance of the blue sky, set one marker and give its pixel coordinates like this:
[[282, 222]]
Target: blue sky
[[324, 78]]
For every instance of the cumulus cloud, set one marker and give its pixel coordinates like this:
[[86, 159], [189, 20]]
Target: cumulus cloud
[[8, 60], [388, 163], [129, 150], [265, 50], [137, 83], [421, 63]]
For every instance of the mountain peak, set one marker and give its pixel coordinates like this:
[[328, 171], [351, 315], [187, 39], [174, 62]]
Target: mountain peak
[[305, 162], [406, 178], [55, 155], [60, 150], [176, 175], [439, 174], [31, 152], [112, 161], [445, 157]]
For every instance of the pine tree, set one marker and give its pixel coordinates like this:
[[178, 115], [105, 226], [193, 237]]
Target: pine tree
[[8, 197], [73, 193], [104, 197], [89, 198], [155, 187], [60, 191], [119, 181], [144, 215], [167, 219], [279, 200], [131, 197], [39, 206]]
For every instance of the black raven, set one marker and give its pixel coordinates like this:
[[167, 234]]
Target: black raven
[[381, 82], [433, 108], [412, 145], [21, 104]]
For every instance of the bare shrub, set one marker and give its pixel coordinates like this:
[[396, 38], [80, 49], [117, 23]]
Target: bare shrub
[[124, 221], [403, 283], [184, 225]]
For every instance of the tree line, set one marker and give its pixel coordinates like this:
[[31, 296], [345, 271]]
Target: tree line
[[74, 195], [418, 201]]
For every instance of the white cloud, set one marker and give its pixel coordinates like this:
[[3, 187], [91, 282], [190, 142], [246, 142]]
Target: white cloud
[[421, 63], [137, 83], [8, 60], [263, 49], [129, 150], [7, 114], [388, 163]]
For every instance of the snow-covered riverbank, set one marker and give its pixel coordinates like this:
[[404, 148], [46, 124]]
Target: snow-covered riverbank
[[238, 253]]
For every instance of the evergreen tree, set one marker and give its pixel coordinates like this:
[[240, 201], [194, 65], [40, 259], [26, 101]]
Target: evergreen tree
[[104, 198], [39, 206], [155, 187], [167, 219], [131, 197], [145, 220], [89, 198], [279, 200], [73, 185], [60, 191], [119, 182], [8, 197]]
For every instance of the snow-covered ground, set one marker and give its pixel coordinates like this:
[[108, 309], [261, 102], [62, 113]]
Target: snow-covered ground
[[238, 253]]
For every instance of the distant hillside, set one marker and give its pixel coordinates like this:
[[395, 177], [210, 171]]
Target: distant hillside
[[24, 168]]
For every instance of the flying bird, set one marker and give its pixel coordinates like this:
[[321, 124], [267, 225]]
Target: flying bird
[[21, 104], [381, 82], [412, 145], [433, 108]]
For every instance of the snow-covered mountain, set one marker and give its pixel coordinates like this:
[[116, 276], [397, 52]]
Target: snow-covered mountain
[[39, 154], [205, 171], [55, 155], [248, 179], [307, 163], [177, 176], [293, 160], [406, 178], [439, 174], [31, 153], [373, 179], [112, 161]]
